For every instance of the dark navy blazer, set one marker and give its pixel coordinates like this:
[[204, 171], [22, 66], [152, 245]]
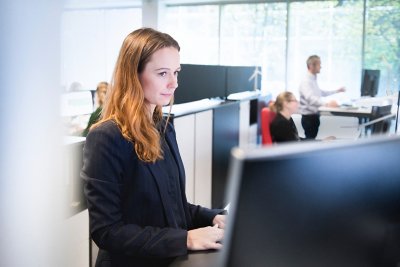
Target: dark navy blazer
[[130, 210]]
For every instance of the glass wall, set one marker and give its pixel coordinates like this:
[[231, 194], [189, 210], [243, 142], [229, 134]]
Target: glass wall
[[382, 42], [255, 35], [279, 36], [92, 33], [91, 39], [333, 31], [196, 28]]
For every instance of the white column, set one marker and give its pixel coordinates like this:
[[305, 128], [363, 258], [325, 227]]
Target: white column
[[31, 205], [150, 13]]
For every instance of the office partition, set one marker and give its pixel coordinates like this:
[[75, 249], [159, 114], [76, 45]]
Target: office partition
[[241, 79], [196, 82]]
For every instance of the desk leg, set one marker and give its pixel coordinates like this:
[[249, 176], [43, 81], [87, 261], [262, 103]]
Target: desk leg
[[362, 120]]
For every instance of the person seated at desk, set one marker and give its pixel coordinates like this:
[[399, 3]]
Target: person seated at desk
[[101, 91], [282, 128], [311, 98]]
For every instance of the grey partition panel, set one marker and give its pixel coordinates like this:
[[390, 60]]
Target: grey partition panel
[[237, 79], [225, 137], [198, 82], [76, 199]]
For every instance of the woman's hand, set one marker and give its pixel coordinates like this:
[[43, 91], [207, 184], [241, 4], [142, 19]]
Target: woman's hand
[[205, 238], [220, 221]]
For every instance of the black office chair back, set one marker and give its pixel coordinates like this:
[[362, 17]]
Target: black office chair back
[[382, 126]]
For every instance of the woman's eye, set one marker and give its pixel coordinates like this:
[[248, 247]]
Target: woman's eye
[[176, 73], [163, 73]]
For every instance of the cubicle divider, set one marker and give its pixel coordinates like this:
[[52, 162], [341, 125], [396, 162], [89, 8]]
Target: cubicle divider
[[226, 135], [242, 78], [232, 124], [198, 82], [205, 139]]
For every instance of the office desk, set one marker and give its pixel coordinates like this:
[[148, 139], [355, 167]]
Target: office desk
[[362, 112], [208, 258], [361, 108]]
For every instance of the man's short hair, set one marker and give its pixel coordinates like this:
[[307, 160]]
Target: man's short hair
[[311, 60]]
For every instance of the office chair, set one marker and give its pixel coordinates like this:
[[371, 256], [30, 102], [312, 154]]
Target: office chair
[[384, 125], [267, 116]]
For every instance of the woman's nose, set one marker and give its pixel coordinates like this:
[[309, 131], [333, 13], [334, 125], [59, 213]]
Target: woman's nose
[[173, 81]]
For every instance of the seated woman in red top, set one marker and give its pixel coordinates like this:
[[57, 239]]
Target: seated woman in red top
[[282, 127]]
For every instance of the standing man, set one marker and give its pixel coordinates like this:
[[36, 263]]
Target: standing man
[[311, 98]]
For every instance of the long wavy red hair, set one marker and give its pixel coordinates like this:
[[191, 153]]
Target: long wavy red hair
[[125, 103]]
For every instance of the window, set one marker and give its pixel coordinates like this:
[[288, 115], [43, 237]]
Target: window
[[333, 31], [91, 39], [196, 28], [382, 43], [255, 35], [281, 35]]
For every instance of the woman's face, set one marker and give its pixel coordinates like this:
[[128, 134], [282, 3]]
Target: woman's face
[[101, 94], [292, 105], [159, 78]]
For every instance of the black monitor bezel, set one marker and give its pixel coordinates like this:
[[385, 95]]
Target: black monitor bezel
[[370, 82], [242, 156]]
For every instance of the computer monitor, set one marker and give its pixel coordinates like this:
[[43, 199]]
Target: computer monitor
[[315, 204], [196, 82], [370, 82], [377, 112]]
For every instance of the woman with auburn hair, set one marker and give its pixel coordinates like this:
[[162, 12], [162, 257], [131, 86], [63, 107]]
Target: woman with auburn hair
[[283, 128], [133, 173]]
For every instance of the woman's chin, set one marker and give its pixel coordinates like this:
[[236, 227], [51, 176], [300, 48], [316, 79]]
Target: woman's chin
[[166, 101]]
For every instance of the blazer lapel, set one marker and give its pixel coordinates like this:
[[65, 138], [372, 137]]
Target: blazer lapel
[[170, 137]]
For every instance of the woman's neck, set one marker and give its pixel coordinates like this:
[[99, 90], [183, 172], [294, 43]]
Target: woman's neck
[[285, 114], [150, 109]]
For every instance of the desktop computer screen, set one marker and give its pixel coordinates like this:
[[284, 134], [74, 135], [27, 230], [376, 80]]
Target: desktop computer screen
[[370, 82], [315, 204], [377, 112]]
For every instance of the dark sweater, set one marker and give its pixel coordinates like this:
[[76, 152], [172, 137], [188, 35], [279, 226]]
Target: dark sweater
[[94, 117], [283, 130]]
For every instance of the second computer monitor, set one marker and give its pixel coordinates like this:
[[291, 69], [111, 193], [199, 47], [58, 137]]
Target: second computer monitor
[[315, 204], [370, 82]]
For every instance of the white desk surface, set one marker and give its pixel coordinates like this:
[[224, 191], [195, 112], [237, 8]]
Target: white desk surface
[[207, 103], [375, 101], [190, 107], [347, 110], [70, 139], [244, 95], [362, 106]]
